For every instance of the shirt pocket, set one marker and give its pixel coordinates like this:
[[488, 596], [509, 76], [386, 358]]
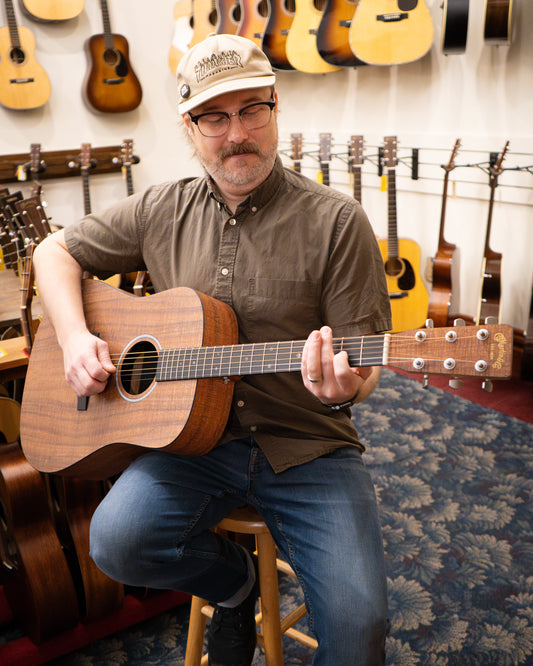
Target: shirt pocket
[[279, 309]]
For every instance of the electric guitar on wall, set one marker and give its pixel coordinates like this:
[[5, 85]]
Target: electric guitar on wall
[[111, 85], [52, 10], [24, 84], [276, 32], [173, 351], [440, 298], [489, 302], [454, 26], [302, 50], [408, 295], [391, 32], [332, 37]]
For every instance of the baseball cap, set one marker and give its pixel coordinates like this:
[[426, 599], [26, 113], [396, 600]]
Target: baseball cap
[[220, 64]]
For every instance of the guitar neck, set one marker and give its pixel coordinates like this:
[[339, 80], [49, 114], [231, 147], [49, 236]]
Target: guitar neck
[[443, 208], [392, 223], [86, 190], [12, 24], [108, 36], [261, 358], [357, 183]]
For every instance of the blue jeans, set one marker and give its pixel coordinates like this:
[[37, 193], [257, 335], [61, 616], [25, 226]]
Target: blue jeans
[[152, 529]]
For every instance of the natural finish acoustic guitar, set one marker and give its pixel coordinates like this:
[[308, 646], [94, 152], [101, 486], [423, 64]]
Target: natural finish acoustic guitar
[[408, 295], [24, 84], [176, 355], [52, 10], [391, 32], [302, 50], [183, 32], [111, 85]]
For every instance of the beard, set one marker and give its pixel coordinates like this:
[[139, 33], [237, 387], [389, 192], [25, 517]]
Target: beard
[[241, 177]]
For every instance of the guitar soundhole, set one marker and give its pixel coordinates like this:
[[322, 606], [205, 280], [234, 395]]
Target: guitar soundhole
[[111, 57], [17, 56], [138, 367], [394, 267]]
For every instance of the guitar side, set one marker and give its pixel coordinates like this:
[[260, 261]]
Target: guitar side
[[409, 298], [24, 84], [380, 34], [169, 415], [52, 10], [111, 85]]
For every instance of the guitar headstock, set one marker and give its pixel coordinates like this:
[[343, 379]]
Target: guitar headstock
[[356, 151], [325, 147], [497, 167], [296, 147], [451, 161], [127, 152], [85, 157], [32, 216], [457, 351], [390, 157]]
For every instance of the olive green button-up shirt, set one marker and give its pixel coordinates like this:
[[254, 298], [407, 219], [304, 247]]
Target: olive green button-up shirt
[[295, 255]]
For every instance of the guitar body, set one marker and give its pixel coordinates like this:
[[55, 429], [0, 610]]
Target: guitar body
[[111, 85], [408, 295], [389, 32], [204, 20], [254, 18], [52, 10], [276, 33], [24, 84], [229, 17], [444, 274], [333, 33], [183, 32], [498, 21], [35, 574], [302, 51], [455, 26], [165, 415]]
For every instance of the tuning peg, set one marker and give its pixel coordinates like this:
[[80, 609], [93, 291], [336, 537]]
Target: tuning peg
[[459, 322], [487, 385], [425, 382], [455, 383], [491, 320], [429, 323]]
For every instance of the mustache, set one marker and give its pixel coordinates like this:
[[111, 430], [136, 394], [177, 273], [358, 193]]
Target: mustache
[[239, 149]]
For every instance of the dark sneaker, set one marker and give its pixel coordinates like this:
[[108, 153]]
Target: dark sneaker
[[232, 637]]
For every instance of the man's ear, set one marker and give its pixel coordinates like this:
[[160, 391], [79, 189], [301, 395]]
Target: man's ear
[[187, 123]]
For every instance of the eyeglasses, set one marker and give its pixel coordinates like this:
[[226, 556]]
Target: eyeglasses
[[253, 116]]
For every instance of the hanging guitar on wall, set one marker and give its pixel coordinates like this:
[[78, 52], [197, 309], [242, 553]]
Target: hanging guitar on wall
[[454, 26], [111, 85], [332, 37], [498, 22], [57, 10], [440, 299], [325, 158], [276, 32], [408, 295], [24, 84], [183, 32], [355, 162]]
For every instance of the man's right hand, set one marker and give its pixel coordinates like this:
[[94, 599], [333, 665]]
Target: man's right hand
[[88, 364]]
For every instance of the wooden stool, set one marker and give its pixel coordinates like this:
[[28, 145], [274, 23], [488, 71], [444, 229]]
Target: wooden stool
[[270, 625]]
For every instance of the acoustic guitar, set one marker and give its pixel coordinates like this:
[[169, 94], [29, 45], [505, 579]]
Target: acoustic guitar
[[454, 26], [254, 18], [355, 162], [296, 152], [24, 84], [408, 295], [440, 298], [204, 20], [176, 353], [332, 37], [183, 32], [324, 157], [229, 17], [276, 32], [498, 22], [52, 10], [391, 32], [302, 50], [111, 85], [489, 304]]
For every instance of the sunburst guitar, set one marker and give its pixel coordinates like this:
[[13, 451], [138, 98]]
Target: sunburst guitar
[[254, 18], [391, 32], [408, 295], [302, 50], [276, 32], [332, 38], [24, 84]]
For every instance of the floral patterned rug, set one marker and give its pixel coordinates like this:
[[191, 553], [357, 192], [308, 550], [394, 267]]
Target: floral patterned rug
[[455, 488]]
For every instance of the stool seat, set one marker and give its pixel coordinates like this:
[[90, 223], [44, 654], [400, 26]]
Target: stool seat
[[271, 627]]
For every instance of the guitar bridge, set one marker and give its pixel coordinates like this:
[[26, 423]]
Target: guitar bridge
[[113, 82], [392, 18]]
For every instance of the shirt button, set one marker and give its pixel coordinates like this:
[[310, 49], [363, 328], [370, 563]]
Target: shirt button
[[232, 221], [253, 428], [224, 271], [240, 403], [254, 209]]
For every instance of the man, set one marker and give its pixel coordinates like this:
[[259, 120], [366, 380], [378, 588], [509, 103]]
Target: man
[[295, 260]]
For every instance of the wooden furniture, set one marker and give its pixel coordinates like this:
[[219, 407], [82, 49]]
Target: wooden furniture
[[271, 627]]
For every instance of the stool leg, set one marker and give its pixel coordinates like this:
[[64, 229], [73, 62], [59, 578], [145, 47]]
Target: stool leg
[[268, 581], [195, 636]]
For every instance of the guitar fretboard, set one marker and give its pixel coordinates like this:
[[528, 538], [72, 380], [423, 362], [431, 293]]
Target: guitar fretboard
[[260, 358], [108, 37], [12, 25], [392, 225]]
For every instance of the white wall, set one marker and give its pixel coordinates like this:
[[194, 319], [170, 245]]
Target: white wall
[[483, 97]]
